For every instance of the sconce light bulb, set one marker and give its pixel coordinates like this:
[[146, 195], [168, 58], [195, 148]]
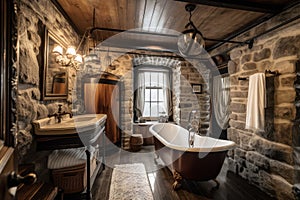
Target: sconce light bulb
[[78, 58], [71, 52], [58, 50]]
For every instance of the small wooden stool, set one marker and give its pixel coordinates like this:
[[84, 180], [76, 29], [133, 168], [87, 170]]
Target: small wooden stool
[[136, 142]]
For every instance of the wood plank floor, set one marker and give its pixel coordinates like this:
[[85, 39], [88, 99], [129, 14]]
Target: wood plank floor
[[231, 187]]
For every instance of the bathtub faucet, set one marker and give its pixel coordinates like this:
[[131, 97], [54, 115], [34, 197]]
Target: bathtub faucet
[[191, 136], [192, 127]]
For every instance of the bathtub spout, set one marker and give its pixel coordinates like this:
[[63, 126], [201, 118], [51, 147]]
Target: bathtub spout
[[191, 136], [192, 128]]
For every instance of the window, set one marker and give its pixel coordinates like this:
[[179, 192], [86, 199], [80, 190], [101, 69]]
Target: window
[[152, 92]]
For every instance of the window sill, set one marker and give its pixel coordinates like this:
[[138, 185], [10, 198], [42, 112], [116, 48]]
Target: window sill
[[147, 123]]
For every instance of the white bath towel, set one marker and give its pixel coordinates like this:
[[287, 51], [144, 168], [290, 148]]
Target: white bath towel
[[255, 115]]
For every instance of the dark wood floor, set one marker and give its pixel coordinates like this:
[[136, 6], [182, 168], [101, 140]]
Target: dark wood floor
[[231, 187]]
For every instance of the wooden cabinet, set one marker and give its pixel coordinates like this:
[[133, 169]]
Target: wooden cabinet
[[104, 98]]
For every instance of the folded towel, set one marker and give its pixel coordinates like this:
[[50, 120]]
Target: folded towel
[[67, 158], [255, 115]]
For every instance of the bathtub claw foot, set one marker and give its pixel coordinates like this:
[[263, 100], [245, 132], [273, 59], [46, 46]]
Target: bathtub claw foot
[[178, 178], [176, 185], [156, 157], [217, 184]]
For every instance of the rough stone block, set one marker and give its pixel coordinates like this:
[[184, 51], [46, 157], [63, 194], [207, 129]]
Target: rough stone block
[[241, 117], [231, 165], [238, 108], [233, 116], [234, 80], [233, 135], [27, 110], [258, 160], [285, 111], [266, 183], [232, 67], [287, 80], [238, 94], [235, 54], [237, 124], [263, 54], [283, 130], [287, 46], [28, 58], [246, 58], [24, 139], [296, 135], [285, 96], [245, 142], [282, 188], [266, 64], [42, 111], [240, 152], [284, 170], [249, 66], [284, 67], [272, 150]]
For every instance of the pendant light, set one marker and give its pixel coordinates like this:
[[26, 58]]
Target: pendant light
[[190, 42]]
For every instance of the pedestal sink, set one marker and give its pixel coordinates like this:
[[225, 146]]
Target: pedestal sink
[[77, 124]]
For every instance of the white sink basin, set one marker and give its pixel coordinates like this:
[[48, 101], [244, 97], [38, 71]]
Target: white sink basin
[[77, 124]]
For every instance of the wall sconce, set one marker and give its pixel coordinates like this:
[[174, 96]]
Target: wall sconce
[[69, 59]]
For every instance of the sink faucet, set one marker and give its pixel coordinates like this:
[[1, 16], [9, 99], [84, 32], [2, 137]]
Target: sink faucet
[[59, 114], [192, 127]]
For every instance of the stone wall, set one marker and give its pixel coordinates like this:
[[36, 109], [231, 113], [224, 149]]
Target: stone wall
[[268, 159], [296, 132], [184, 74], [32, 14]]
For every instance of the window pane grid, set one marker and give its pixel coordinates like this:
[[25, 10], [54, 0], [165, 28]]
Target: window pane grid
[[154, 99]]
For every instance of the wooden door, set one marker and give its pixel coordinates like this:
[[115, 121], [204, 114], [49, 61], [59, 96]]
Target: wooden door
[[112, 111], [104, 98]]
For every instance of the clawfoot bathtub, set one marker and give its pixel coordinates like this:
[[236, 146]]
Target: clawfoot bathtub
[[202, 162]]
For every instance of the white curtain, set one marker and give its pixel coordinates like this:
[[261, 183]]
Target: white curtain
[[221, 100], [167, 94], [140, 93]]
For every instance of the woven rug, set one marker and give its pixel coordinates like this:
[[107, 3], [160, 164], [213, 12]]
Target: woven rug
[[130, 181]]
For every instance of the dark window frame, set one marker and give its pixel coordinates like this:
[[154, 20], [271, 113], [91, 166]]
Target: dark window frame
[[135, 85]]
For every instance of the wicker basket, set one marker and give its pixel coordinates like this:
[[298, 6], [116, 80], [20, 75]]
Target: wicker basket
[[136, 142], [70, 179]]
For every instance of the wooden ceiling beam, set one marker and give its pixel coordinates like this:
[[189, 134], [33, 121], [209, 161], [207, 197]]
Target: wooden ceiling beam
[[239, 5]]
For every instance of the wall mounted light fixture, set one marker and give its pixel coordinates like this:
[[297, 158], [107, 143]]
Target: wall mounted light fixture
[[70, 58]]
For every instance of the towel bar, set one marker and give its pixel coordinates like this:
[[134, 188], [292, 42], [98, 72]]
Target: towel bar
[[272, 73]]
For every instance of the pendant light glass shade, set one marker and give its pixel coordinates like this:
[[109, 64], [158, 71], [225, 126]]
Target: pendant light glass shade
[[190, 43]]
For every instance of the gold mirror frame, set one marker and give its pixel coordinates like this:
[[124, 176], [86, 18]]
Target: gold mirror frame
[[55, 76]]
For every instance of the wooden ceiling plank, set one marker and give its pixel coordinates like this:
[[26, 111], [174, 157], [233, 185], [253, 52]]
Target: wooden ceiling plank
[[122, 13], [149, 9], [131, 16], [167, 21], [64, 13], [140, 12], [239, 5], [159, 18]]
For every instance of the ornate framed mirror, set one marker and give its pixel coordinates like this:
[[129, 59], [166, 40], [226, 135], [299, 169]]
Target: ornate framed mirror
[[55, 76]]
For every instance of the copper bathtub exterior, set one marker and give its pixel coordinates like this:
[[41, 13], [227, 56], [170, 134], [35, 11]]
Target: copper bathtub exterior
[[200, 163]]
